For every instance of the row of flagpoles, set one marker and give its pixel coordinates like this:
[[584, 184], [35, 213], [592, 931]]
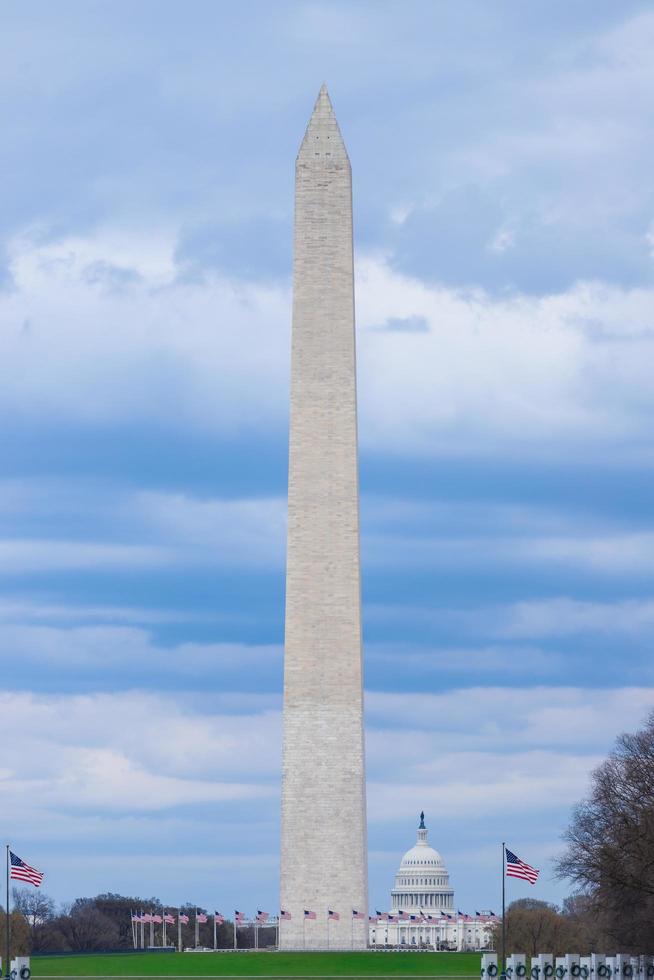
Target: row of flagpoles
[[164, 919], [262, 918]]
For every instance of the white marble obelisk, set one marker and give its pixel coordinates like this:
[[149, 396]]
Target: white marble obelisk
[[323, 841]]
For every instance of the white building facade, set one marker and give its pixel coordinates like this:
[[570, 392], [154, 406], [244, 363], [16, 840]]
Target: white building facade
[[423, 914]]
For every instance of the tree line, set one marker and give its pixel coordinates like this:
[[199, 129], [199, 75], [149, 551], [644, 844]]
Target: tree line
[[104, 923], [609, 856]]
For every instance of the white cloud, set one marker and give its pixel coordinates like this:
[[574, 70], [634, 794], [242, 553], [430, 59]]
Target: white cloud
[[503, 718], [510, 659], [542, 373], [81, 343], [162, 528], [105, 647], [512, 371], [478, 751], [226, 532], [134, 751], [34, 555], [483, 784], [566, 617], [609, 554], [530, 619], [22, 610]]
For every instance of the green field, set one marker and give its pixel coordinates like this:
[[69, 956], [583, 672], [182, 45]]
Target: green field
[[149, 965]]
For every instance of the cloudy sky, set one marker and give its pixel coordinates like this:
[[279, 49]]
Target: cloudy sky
[[504, 226]]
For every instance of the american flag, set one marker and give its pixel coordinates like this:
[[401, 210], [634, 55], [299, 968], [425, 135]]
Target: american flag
[[358, 915], [201, 917], [184, 919], [169, 919], [515, 868], [238, 917], [286, 916], [261, 916], [333, 915], [373, 919], [23, 872], [403, 916], [309, 915], [156, 919], [382, 916], [218, 918], [414, 918], [391, 918]]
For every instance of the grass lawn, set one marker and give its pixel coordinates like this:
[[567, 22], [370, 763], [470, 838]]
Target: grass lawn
[[148, 965]]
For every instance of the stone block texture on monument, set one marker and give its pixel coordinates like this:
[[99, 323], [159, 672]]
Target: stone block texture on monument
[[323, 840]]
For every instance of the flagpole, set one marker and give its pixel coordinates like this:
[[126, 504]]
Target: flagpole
[[235, 946], [7, 924], [504, 909], [179, 930], [214, 929]]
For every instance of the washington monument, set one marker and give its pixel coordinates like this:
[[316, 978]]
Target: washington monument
[[323, 841]]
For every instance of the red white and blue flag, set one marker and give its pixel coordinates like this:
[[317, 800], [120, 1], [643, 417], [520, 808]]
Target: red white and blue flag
[[23, 872], [183, 919], [238, 917], [286, 916], [169, 919], [218, 918], [200, 917], [358, 915], [515, 868], [308, 914], [261, 916], [333, 915]]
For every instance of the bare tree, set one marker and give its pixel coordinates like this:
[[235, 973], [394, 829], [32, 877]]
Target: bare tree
[[532, 926], [38, 910], [610, 852], [86, 929], [588, 931]]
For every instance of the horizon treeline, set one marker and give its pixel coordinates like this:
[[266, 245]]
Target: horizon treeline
[[103, 924]]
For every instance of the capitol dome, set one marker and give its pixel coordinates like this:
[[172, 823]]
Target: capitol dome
[[422, 881]]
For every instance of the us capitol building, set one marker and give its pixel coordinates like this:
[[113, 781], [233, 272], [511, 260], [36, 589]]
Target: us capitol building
[[422, 907]]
